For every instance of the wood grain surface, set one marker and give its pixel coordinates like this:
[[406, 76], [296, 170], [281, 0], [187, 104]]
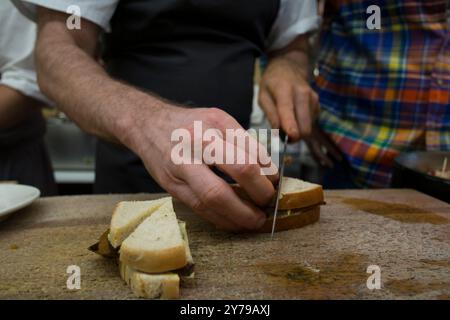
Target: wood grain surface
[[405, 233]]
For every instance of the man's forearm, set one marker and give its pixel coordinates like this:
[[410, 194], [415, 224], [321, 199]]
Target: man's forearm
[[71, 77], [14, 107]]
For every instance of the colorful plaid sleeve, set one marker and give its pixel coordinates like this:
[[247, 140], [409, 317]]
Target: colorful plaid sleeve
[[385, 91]]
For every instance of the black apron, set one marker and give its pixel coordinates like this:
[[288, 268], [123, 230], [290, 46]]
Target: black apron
[[199, 53]]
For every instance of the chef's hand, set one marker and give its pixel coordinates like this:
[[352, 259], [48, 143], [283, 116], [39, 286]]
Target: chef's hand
[[196, 184], [285, 95], [144, 123], [322, 148]]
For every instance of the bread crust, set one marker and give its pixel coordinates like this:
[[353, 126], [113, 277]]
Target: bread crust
[[303, 199], [154, 262], [116, 238], [297, 219], [289, 201]]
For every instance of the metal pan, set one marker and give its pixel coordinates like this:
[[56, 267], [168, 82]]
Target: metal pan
[[412, 170]]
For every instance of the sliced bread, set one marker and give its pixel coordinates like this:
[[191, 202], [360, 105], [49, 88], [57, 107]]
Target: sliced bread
[[128, 215], [182, 226], [151, 286], [157, 244], [291, 219], [296, 194]]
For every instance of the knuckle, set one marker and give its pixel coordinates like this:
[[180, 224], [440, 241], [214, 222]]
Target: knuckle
[[268, 195], [215, 115], [261, 99], [212, 195], [284, 88], [265, 197], [304, 91], [166, 178], [198, 206], [247, 171], [269, 82], [252, 222]]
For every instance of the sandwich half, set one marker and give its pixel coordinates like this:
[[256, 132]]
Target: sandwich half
[[157, 244], [291, 219], [299, 205], [151, 286], [128, 215], [296, 194], [164, 285]]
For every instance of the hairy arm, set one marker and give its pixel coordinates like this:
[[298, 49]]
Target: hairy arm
[[69, 74]]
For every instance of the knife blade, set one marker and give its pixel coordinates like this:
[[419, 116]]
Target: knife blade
[[285, 141]]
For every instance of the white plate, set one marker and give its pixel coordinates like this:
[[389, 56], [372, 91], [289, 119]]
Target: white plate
[[14, 197]]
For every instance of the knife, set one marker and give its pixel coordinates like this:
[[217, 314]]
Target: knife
[[285, 138]]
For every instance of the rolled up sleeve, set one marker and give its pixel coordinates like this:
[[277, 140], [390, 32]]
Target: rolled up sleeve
[[17, 39], [295, 17], [24, 81], [99, 12]]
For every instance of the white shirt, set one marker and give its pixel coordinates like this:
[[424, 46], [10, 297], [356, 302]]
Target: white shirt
[[295, 17], [17, 39]]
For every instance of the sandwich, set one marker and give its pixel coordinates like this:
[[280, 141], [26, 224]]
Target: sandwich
[[298, 194], [298, 206], [151, 286], [164, 285], [153, 247], [128, 215], [156, 245]]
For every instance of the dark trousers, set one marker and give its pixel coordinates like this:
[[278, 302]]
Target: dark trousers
[[24, 157]]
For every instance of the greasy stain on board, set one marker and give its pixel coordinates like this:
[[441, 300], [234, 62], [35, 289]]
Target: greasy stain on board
[[342, 278], [412, 287], [396, 211], [437, 263]]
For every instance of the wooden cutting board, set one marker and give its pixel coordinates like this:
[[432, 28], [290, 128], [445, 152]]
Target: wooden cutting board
[[405, 233]]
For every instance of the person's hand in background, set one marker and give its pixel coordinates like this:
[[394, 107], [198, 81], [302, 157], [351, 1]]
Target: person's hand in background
[[290, 103], [285, 95]]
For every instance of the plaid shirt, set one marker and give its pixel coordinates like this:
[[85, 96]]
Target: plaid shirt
[[384, 91]]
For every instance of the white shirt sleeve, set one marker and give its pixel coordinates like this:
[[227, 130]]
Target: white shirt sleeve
[[17, 39], [99, 12], [295, 17]]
